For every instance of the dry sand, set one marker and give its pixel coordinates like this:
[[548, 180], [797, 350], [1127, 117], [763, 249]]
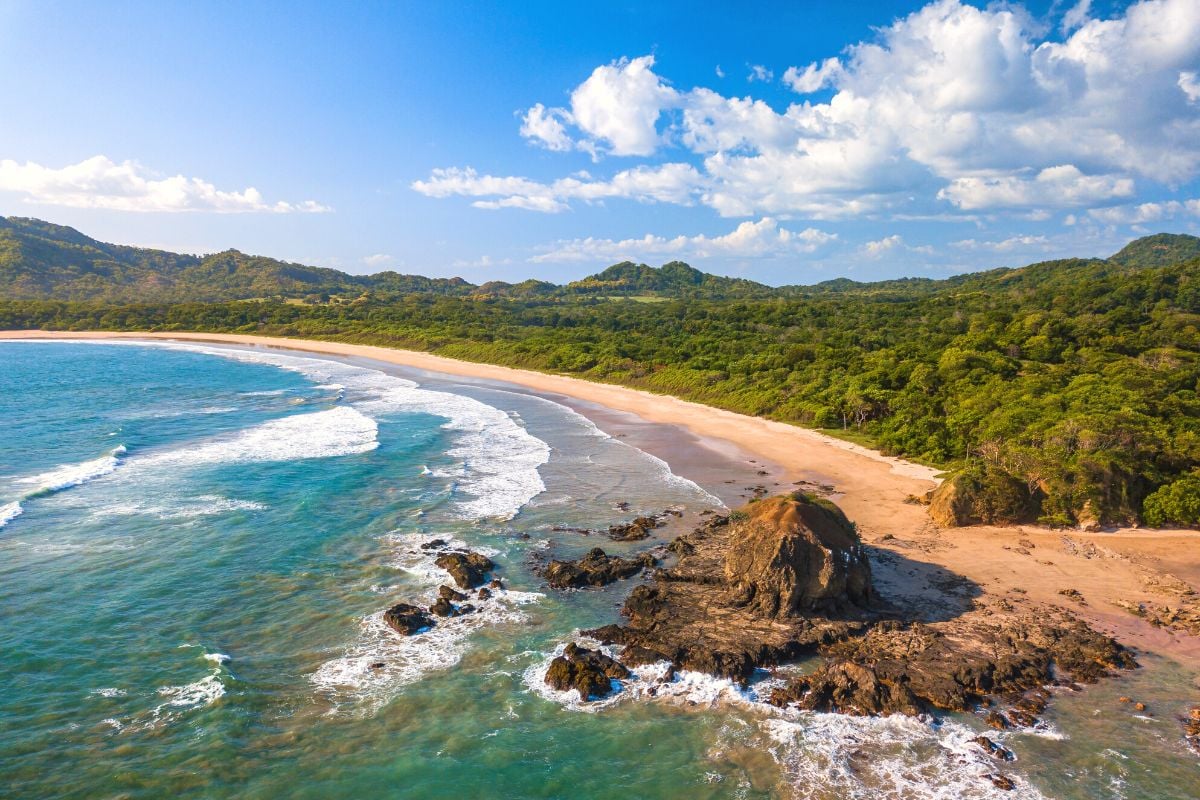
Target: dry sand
[[1023, 564]]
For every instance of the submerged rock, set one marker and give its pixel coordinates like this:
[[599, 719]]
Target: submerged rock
[[469, 569], [597, 568], [589, 672], [407, 619]]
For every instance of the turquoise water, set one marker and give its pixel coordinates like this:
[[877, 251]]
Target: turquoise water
[[197, 545]]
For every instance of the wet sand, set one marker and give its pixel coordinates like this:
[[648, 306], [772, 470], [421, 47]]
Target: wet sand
[[1108, 569]]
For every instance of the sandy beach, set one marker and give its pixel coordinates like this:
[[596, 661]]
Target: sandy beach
[[1109, 571]]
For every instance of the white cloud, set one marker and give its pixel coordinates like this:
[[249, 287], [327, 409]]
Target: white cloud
[[667, 183], [377, 260], [99, 182], [546, 127], [1145, 212], [720, 72], [1021, 242], [619, 105], [879, 247], [1190, 85], [1063, 185], [1076, 16], [760, 73], [950, 108], [762, 239], [814, 77]]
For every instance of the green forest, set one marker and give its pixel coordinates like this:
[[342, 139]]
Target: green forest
[[1062, 392]]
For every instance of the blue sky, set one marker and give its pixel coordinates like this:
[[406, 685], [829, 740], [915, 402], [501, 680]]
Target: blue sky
[[789, 143]]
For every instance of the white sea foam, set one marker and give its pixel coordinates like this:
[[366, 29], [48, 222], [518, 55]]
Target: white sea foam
[[108, 692], [70, 475], [376, 666], [339, 431], [499, 459], [9, 512], [182, 508]]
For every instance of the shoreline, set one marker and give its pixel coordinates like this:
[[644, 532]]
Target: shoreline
[[1021, 563]]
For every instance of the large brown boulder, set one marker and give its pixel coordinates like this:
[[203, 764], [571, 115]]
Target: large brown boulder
[[791, 555]]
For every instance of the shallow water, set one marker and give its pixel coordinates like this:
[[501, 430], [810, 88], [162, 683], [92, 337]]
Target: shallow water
[[206, 539]]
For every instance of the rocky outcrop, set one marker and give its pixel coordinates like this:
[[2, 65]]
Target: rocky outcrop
[[788, 577], [982, 495], [638, 529], [900, 667], [787, 558], [589, 672], [597, 568], [407, 619], [469, 569], [727, 613]]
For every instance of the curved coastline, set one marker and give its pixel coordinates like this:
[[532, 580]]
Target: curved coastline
[[1109, 569]]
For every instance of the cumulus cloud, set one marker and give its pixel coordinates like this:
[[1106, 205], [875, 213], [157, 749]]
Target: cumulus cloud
[[1145, 212], [814, 77], [667, 183], [952, 108], [545, 126], [762, 239], [99, 182], [880, 246], [1063, 185]]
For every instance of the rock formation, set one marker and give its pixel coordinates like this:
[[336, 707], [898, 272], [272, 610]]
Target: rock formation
[[788, 577], [469, 569], [597, 568], [590, 672], [407, 619], [788, 557]]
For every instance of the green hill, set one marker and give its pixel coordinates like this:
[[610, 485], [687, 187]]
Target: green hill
[[1159, 250]]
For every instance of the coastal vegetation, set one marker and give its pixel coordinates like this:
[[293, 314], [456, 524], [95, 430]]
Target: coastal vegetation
[[1063, 392]]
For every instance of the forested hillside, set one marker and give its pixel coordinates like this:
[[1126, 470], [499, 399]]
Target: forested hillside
[[1061, 392]]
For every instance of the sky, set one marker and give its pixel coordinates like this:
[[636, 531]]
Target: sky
[[788, 143]]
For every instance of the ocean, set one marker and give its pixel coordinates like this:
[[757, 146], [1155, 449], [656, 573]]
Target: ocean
[[197, 544]]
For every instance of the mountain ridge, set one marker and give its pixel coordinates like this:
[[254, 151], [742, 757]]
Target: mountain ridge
[[40, 260]]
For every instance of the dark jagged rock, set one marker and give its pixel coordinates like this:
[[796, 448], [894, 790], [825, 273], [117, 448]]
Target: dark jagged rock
[[595, 569], [633, 531], [589, 672], [448, 593], [992, 749], [484, 593], [407, 619], [443, 608], [469, 569], [907, 667], [436, 544]]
